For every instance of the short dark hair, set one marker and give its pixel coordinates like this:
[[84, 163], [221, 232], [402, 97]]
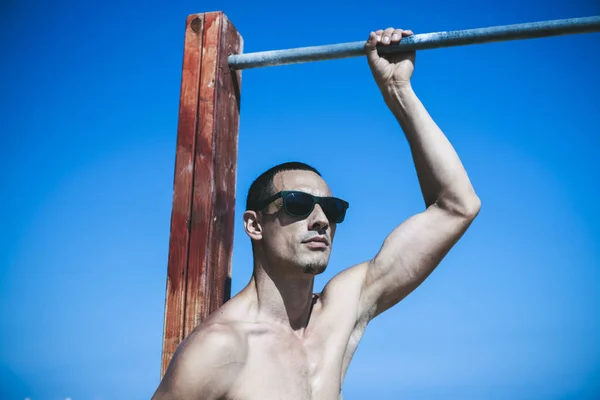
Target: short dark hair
[[263, 186]]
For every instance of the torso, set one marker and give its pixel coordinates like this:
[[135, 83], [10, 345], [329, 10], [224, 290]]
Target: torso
[[280, 364]]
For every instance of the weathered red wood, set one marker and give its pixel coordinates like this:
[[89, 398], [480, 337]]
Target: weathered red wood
[[226, 147], [182, 189], [204, 281], [211, 241], [198, 283]]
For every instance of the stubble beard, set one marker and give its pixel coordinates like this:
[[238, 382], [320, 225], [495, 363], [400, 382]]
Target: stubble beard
[[312, 262], [315, 267]]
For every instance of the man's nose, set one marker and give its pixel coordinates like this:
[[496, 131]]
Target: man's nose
[[318, 219]]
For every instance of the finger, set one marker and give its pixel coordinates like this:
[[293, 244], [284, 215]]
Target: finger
[[397, 35], [379, 34], [371, 47], [387, 36], [406, 33], [372, 40]]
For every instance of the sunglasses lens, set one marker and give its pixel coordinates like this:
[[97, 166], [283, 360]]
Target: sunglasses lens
[[299, 204], [335, 209]]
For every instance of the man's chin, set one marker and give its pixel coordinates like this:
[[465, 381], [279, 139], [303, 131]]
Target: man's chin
[[314, 268]]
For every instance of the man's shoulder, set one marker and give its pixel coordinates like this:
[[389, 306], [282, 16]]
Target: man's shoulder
[[205, 363], [219, 337]]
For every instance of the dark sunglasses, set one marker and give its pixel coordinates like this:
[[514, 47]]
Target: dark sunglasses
[[301, 204]]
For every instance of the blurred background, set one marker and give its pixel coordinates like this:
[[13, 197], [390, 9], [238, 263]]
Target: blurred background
[[89, 97]]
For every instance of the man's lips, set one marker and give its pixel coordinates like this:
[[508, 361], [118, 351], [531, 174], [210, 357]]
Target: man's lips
[[318, 241]]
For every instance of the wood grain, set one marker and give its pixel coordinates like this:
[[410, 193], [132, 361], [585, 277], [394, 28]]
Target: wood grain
[[182, 189], [202, 227]]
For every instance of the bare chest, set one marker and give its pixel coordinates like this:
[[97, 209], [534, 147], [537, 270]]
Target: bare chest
[[286, 367]]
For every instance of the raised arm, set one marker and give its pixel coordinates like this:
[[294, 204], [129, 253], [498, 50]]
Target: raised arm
[[415, 248]]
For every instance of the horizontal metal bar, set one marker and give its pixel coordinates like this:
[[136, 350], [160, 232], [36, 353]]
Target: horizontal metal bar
[[419, 42]]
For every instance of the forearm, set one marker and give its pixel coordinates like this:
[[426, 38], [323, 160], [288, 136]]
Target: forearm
[[442, 177]]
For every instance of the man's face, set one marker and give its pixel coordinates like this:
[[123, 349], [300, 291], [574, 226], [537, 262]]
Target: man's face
[[285, 238]]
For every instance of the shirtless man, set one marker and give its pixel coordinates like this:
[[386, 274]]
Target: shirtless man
[[276, 339]]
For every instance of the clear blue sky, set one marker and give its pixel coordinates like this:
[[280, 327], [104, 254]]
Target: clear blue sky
[[89, 96]]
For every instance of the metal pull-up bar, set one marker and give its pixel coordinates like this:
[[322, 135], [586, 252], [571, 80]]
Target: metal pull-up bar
[[419, 42]]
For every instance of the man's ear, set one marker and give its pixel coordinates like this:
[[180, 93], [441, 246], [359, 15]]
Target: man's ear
[[252, 225]]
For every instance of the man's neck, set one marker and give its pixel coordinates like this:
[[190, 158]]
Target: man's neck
[[283, 298]]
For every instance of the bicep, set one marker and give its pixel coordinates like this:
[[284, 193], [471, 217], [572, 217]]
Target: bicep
[[408, 256]]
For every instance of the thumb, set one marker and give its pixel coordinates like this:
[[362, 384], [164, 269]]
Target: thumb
[[371, 48]]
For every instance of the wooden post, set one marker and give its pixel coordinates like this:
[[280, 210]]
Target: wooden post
[[202, 219]]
